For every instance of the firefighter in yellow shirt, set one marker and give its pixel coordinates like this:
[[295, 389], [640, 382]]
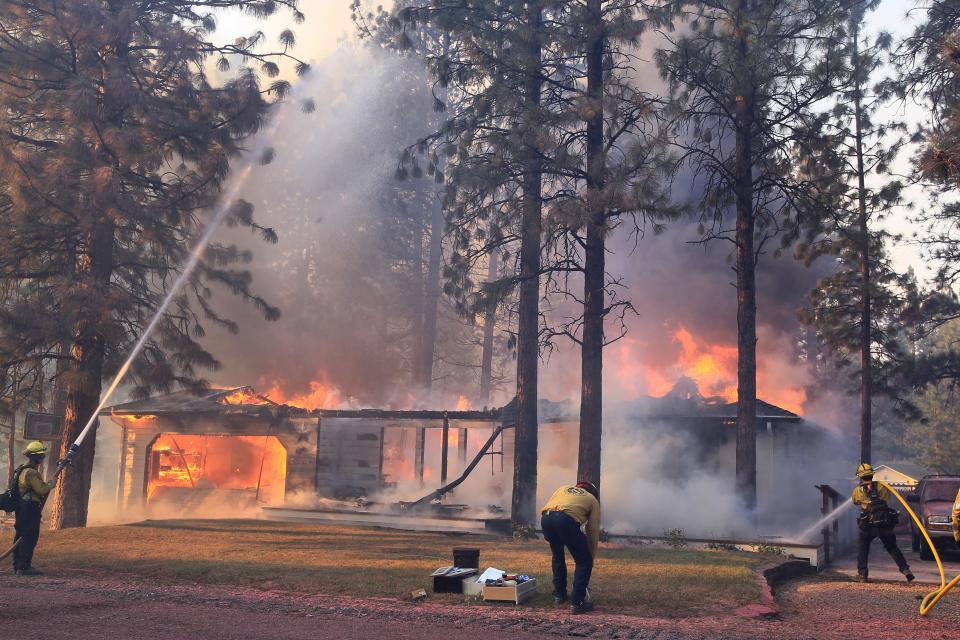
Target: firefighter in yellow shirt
[[876, 520], [33, 492], [569, 508]]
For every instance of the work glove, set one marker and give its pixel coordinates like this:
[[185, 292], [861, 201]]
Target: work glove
[[51, 484]]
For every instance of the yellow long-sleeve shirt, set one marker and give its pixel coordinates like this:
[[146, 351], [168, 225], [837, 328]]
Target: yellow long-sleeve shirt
[[32, 486], [580, 505], [861, 498]]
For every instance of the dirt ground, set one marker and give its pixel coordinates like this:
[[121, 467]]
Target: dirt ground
[[87, 606], [366, 562], [240, 580]]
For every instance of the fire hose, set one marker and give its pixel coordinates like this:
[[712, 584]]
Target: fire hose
[[931, 599]]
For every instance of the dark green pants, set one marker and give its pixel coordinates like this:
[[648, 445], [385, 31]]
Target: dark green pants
[[562, 531], [27, 530]]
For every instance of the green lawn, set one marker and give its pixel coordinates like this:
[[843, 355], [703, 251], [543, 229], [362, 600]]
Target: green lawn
[[360, 561]]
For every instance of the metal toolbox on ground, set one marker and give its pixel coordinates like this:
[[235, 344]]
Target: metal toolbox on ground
[[515, 593]]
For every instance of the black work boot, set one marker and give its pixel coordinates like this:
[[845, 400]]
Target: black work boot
[[29, 571], [908, 574], [558, 600], [862, 576], [583, 607]]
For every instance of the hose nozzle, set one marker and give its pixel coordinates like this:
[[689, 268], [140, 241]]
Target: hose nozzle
[[68, 459]]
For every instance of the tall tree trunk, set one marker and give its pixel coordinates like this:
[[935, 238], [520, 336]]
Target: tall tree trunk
[[489, 324], [524, 505], [591, 358], [84, 383], [432, 297], [866, 329], [418, 301], [746, 463], [11, 441]]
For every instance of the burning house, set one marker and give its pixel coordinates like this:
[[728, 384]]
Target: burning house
[[244, 449], [232, 444]]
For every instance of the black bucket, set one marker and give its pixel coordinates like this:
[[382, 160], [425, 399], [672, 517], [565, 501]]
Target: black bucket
[[466, 558]]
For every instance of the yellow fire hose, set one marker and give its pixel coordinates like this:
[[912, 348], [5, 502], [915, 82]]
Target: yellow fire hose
[[932, 598]]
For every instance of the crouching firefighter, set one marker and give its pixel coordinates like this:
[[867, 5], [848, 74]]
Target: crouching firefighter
[[876, 520], [33, 492], [569, 508]]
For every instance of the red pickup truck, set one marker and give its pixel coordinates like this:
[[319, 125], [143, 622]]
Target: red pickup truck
[[933, 501]]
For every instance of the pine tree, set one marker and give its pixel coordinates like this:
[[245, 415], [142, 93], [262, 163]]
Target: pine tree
[[929, 65], [496, 139], [856, 309], [623, 161], [746, 76], [114, 144]]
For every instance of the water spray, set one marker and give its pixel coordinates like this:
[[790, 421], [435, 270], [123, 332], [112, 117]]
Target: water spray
[[818, 526], [219, 216], [191, 264]]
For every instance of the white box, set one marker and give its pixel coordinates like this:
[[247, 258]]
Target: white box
[[472, 588]]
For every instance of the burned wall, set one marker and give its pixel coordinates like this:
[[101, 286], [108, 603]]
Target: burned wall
[[350, 458]]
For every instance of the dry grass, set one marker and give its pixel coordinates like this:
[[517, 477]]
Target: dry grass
[[379, 562]]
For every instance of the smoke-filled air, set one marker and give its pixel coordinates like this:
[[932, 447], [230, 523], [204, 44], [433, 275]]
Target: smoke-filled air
[[303, 288]]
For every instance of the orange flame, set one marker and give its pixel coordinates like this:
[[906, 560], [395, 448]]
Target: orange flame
[[712, 366], [463, 403], [322, 395], [647, 368], [135, 421], [243, 395]]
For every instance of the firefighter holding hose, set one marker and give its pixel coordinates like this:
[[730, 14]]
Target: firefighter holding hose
[[33, 492], [876, 520], [569, 508]]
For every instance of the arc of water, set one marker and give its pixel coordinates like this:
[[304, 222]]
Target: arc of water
[[817, 526], [220, 214]]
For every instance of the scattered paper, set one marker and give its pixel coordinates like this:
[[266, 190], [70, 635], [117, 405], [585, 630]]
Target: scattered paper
[[490, 574]]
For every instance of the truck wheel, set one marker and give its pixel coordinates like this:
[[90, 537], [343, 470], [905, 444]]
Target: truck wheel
[[925, 552]]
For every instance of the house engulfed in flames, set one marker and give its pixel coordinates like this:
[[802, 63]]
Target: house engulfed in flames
[[242, 449]]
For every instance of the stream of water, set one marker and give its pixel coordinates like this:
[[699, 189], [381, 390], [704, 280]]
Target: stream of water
[[818, 526], [219, 215]]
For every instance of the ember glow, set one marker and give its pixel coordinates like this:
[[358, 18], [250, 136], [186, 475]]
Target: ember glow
[[652, 368], [252, 464]]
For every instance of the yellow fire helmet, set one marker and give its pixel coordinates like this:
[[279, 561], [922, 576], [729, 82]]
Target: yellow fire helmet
[[35, 448], [865, 469]]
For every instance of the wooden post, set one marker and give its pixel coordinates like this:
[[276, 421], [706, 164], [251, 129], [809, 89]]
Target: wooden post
[[444, 449], [462, 447], [122, 480], [418, 454], [825, 509]]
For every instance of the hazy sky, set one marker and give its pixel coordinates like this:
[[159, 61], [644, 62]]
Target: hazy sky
[[328, 23]]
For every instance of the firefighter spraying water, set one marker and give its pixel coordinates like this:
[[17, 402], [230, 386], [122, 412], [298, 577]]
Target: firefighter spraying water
[[23, 538], [25, 497], [876, 520]]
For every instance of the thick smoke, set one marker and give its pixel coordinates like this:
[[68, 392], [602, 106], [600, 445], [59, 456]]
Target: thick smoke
[[327, 194]]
